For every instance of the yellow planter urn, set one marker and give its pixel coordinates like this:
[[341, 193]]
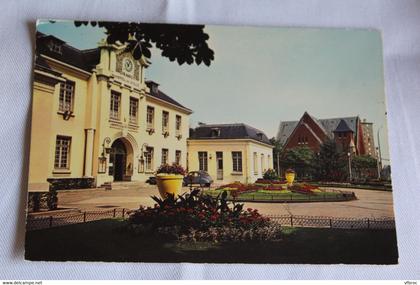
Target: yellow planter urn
[[169, 184], [290, 177]]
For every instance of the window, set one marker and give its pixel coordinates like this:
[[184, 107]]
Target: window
[[178, 157], [66, 98], [150, 117], [202, 160], [165, 153], [165, 121], [302, 140], [262, 163], [55, 47], [148, 158], [215, 132], [255, 163], [134, 108], [268, 161], [62, 152], [114, 110], [178, 124], [237, 161]]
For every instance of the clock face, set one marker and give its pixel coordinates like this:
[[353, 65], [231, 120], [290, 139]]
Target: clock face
[[128, 64]]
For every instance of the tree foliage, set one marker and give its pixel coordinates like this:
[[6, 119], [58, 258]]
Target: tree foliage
[[183, 43], [329, 163], [363, 162], [364, 167], [276, 151], [300, 159]]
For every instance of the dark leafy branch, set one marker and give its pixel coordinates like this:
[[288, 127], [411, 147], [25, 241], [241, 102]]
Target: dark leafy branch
[[183, 43]]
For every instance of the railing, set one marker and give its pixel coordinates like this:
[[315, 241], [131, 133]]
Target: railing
[[61, 219], [333, 222]]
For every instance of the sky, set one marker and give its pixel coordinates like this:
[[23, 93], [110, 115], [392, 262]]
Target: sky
[[264, 75]]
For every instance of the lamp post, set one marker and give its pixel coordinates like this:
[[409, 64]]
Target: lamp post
[[379, 149], [102, 167], [145, 145], [378, 166], [105, 146], [350, 174], [351, 150]]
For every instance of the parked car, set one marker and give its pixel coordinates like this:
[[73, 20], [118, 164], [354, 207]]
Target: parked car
[[201, 178], [151, 180]]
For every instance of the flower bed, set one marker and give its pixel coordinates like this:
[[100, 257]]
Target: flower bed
[[266, 181], [282, 193], [237, 188], [274, 191], [195, 217]]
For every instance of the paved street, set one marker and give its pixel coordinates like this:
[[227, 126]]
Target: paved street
[[370, 204]]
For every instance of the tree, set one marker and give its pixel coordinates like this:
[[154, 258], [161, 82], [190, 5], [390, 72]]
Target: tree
[[183, 43], [276, 152], [364, 166], [330, 164], [300, 159]]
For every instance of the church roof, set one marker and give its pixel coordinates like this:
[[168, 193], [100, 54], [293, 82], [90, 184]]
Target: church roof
[[342, 127], [329, 125], [228, 131]]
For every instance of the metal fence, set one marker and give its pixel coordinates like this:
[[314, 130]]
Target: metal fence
[[333, 222], [61, 219]]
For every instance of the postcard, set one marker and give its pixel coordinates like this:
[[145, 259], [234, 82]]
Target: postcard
[[208, 144]]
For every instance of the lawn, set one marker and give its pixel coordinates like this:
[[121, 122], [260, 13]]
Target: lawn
[[106, 240], [280, 196]]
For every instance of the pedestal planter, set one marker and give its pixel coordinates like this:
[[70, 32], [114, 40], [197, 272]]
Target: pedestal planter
[[169, 184], [290, 177]]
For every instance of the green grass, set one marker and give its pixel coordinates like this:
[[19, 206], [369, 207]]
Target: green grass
[[276, 196], [106, 240]]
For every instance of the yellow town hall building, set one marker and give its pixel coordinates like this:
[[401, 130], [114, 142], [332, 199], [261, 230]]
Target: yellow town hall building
[[96, 120]]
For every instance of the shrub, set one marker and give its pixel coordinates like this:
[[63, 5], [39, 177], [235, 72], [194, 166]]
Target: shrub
[[270, 174], [38, 201], [265, 181], [196, 217], [52, 200], [171, 169], [34, 202]]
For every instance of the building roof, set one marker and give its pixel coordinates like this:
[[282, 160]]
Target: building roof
[[155, 92], [329, 125], [228, 131], [83, 59], [342, 127]]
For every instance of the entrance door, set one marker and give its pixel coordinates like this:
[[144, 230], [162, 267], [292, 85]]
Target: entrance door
[[118, 159], [119, 167], [219, 165]]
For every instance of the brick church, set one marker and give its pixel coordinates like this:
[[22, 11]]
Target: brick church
[[351, 134]]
